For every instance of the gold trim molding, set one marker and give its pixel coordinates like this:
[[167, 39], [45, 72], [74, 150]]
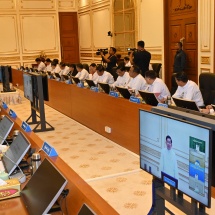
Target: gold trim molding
[[156, 57], [9, 58], [205, 60], [86, 55]]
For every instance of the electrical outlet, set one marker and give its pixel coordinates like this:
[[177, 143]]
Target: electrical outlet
[[107, 129]]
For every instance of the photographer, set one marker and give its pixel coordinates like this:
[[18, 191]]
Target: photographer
[[140, 57], [111, 60]]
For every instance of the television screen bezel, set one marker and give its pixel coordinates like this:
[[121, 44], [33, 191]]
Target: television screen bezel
[[28, 74], [209, 152]]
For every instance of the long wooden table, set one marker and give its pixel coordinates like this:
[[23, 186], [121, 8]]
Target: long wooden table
[[80, 191]]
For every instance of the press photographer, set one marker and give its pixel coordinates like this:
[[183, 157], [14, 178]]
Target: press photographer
[[111, 60], [140, 57]]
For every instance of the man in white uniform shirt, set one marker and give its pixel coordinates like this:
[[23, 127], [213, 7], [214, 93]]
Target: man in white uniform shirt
[[93, 74], [156, 86], [187, 89], [64, 69], [41, 66], [137, 81], [82, 73], [55, 67], [127, 61], [48, 65], [123, 76], [103, 76], [168, 162]]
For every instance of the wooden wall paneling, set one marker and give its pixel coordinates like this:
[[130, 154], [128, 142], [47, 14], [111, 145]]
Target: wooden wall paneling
[[37, 5], [6, 5], [69, 37]]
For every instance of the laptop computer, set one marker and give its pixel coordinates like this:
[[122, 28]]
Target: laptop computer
[[149, 98], [57, 75], [105, 87], [85, 210], [6, 124], [65, 77], [185, 103], [124, 92], [75, 79], [90, 83], [15, 153], [43, 189]]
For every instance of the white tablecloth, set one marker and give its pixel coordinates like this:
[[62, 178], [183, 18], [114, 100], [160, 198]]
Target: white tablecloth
[[11, 97]]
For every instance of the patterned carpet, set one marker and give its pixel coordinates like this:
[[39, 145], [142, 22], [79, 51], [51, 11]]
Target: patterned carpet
[[110, 169]]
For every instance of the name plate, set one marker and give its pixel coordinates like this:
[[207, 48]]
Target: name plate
[[4, 105], [25, 126], [49, 150], [68, 82], [162, 105], [12, 113], [95, 89], [134, 99], [114, 94], [57, 79], [81, 85]]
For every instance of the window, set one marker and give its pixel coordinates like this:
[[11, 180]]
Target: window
[[124, 25]]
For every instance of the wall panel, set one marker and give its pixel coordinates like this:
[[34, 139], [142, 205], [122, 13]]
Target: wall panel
[[7, 5], [37, 4], [66, 5]]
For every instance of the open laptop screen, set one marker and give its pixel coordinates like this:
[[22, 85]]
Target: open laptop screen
[[184, 103], [149, 98], [5, 127], [43, 189]]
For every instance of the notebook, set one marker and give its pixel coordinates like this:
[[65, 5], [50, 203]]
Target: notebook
[[149, 98], [124, 92], [105, 87], [90, 83], [185, 103]]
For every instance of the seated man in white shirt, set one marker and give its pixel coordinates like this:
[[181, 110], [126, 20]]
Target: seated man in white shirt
[[55, 67], [48, 65], [40, 65], [123, 76], [156, 86], [187, 89], [127, 61], [64, 69], [103, 76], [93, 74], [82, 73], [137, 81]]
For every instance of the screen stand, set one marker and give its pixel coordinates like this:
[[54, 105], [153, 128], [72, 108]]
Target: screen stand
[[38, 106], [160, 194]]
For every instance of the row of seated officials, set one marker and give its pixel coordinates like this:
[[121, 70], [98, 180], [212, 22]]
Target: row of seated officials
[[130, 79]]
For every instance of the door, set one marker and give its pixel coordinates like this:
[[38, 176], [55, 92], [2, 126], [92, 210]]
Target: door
[[181, 26], [68, 24]]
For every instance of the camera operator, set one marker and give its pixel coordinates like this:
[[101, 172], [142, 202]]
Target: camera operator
[[111, 60], [141, 57]]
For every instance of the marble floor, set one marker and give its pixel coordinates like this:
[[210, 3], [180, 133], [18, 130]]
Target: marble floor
[[111, 170]]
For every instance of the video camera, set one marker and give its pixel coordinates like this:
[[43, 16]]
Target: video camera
[[130, 50], [105, 51]]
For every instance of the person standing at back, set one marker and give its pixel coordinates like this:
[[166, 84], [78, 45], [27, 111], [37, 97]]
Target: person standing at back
[[141, 57], [180, 59]]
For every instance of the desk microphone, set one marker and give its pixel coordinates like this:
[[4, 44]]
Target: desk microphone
[[21, 177]]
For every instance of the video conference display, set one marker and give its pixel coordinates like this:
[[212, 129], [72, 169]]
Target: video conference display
[[178, 153], [28, 87]]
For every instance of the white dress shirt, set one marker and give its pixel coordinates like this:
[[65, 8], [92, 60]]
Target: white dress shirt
[[56, 69], [122, 81], [159, 88], [41, 66], [82, 75], [48, 68], [94, 76], [128, 64], [64, 71], [190, 91], [137, 83], [105, 78]]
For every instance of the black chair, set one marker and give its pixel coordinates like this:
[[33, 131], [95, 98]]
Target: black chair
[[113, 73], [156, 67], [174, 85], [207, 87], [86, 66]]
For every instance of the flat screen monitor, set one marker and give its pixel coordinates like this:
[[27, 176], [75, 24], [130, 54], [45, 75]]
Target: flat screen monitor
[[28, 86], [184, 103], [43, 189], [124, 92], [178, 153], [5, 127], [149, 98], [17, 150], [105, 87], [6, 78]]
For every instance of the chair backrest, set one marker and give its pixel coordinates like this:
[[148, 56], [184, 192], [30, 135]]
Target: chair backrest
[[156, 67], [174, 85], [85, 65], [207, 87], [113, 72]]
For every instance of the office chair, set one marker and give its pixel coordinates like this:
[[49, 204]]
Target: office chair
[[156, 67], [85, 65], [207, 87], [113, 72], [174, 85]]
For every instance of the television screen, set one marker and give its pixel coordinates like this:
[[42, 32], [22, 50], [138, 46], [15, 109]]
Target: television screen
[[28, 86], [178, 153], [43, 189], [6, 77], [5, 127]]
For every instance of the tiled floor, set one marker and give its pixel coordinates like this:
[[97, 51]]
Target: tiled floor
[[110, 169]]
